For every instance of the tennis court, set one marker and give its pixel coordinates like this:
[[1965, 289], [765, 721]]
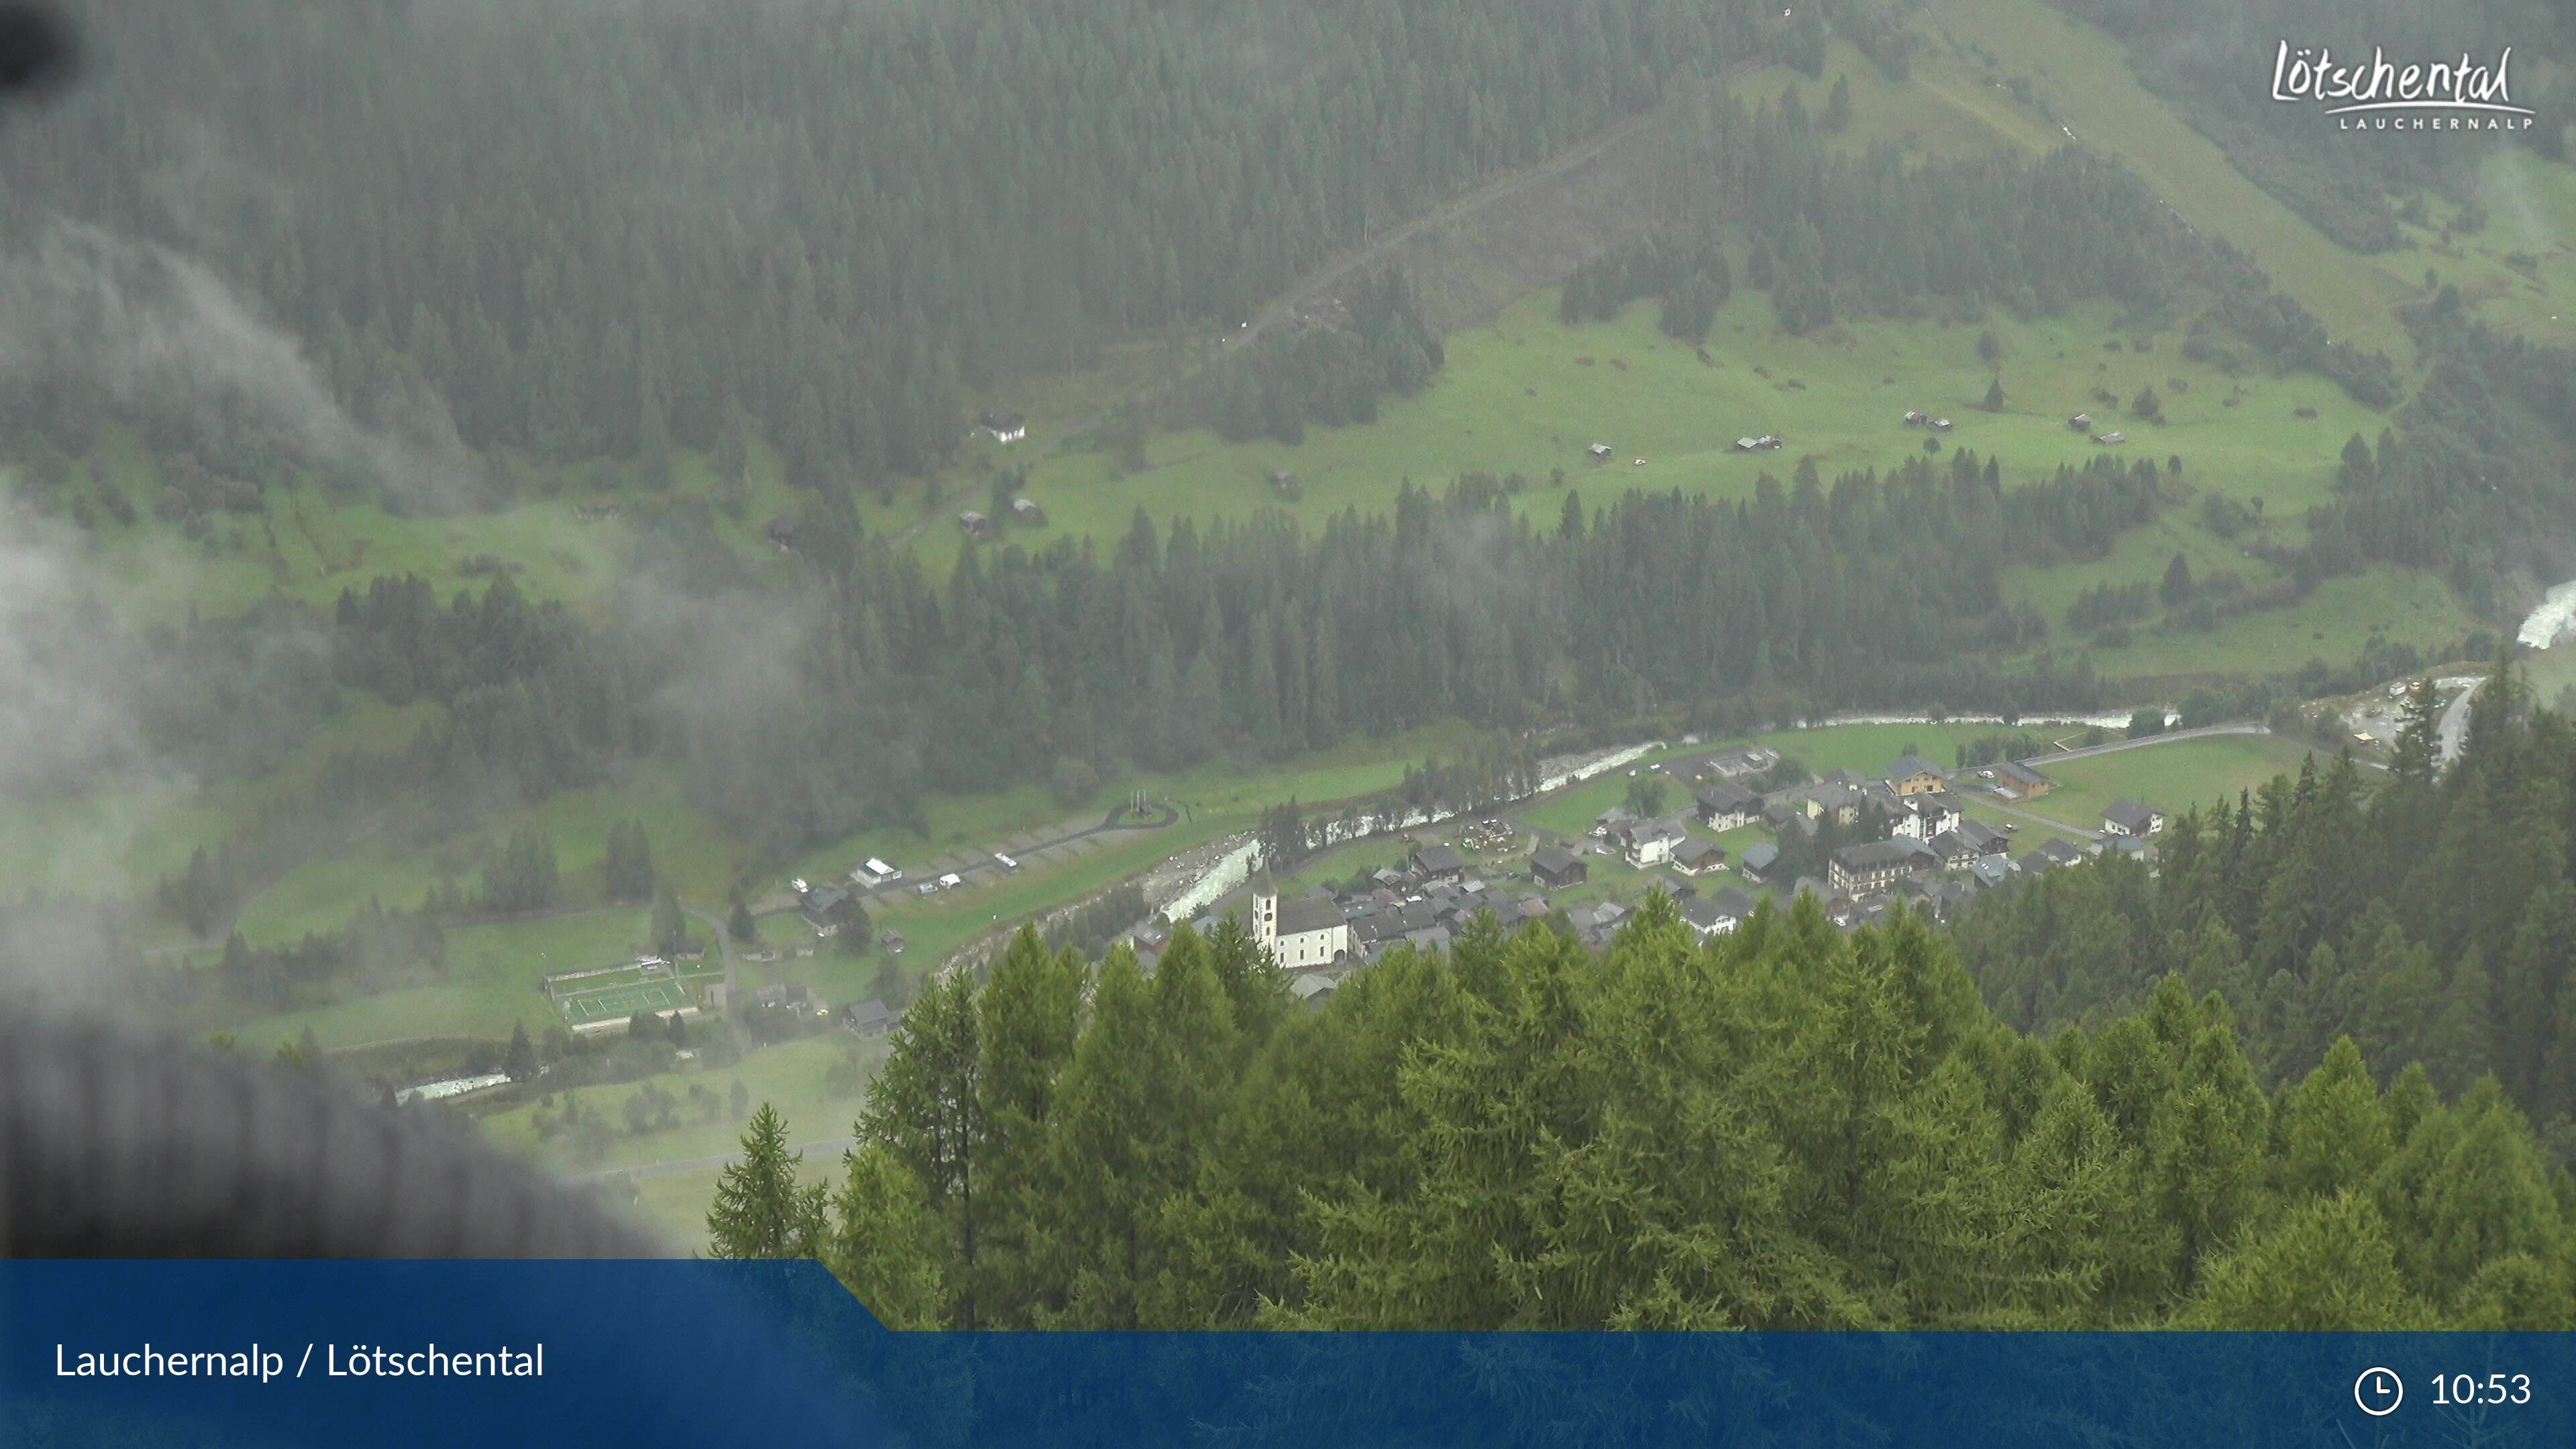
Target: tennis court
[[619, 1002]]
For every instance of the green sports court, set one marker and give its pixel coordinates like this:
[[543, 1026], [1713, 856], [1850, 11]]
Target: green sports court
[[606, 1003]]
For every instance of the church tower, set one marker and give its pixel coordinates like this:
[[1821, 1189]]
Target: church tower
[[1265, 910]]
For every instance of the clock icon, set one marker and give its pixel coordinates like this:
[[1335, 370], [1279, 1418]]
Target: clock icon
[[2378, 1391]]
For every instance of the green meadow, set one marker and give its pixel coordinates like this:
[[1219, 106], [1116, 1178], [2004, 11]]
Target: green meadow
[[2175, 777]]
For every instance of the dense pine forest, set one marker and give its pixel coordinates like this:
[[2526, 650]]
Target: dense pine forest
[[1786, 1128], [2432, 921], [869, 682], [570, 231]]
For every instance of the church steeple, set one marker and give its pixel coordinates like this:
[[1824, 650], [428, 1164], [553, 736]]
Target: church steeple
[[1265, 907]]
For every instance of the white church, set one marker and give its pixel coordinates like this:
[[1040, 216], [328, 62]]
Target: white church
[[1301, 935]]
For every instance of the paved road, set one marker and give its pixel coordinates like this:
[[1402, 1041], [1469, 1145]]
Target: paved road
[[1163, 815], [2167, 738], [2454, 728]]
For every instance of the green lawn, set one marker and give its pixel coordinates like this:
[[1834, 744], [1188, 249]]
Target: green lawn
[[2082, 76], [2332, 623], [488, 985], [788, 1076], [2173, 778]]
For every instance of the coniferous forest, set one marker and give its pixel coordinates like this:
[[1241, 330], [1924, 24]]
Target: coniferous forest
[[1788, 1128], [570, 232]]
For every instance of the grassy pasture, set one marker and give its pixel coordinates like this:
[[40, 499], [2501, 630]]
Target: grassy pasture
[[2173, 778]]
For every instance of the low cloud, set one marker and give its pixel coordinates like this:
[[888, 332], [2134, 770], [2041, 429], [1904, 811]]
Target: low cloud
[[154, 330]]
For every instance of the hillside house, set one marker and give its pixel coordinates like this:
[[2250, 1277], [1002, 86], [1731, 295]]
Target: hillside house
[[2021, 782], [1913, 775], [1697, 857], [1914, 419], [2081, 422], [1556, 867], [973, 524], [1876, 865], [1758, 862], [867, 1019], [1920, 817], [821, 910], [2129, 817], [1024, 511], [2109, 440], [1940, 425], [1003, 427], [1726, 805], [2058, 852], [1432, 863], [1650, 843], [1598, 452], [1718, 912]]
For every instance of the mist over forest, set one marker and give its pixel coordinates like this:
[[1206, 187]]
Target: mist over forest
[[490, 489]]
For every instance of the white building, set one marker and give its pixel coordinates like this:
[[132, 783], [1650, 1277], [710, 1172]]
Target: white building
[[1301, 935]]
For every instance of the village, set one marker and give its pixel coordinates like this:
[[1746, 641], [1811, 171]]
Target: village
[[1863, 846]]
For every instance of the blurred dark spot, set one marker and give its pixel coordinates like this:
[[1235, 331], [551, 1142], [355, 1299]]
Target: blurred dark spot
[[35, 47]]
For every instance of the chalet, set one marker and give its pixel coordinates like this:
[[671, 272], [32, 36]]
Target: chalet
[[1876, 864], [867, 1019], [1913, 775], [1003, 427], [1613, 820], [1312, 989], [892, 940], [1914, 419], [973, 524], [1436, 863], [1727, 805], [1555, 867], [1940, 425], [2110, 439], [1650, 843], [1989, 841], [1921, 817], [1718, 912], [1989, 871], [1954, 849], [2128, 817], [2058, 852], [2081, 422], [1769, 441], [2021, 782], [1697, 857], [1024, 511], [1837, 799], [2132, 846], [1747, 445], [1598, 452], [1759, 861], [821, 910]]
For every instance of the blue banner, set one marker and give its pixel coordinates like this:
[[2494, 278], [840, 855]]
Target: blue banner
[[645, 1354]]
